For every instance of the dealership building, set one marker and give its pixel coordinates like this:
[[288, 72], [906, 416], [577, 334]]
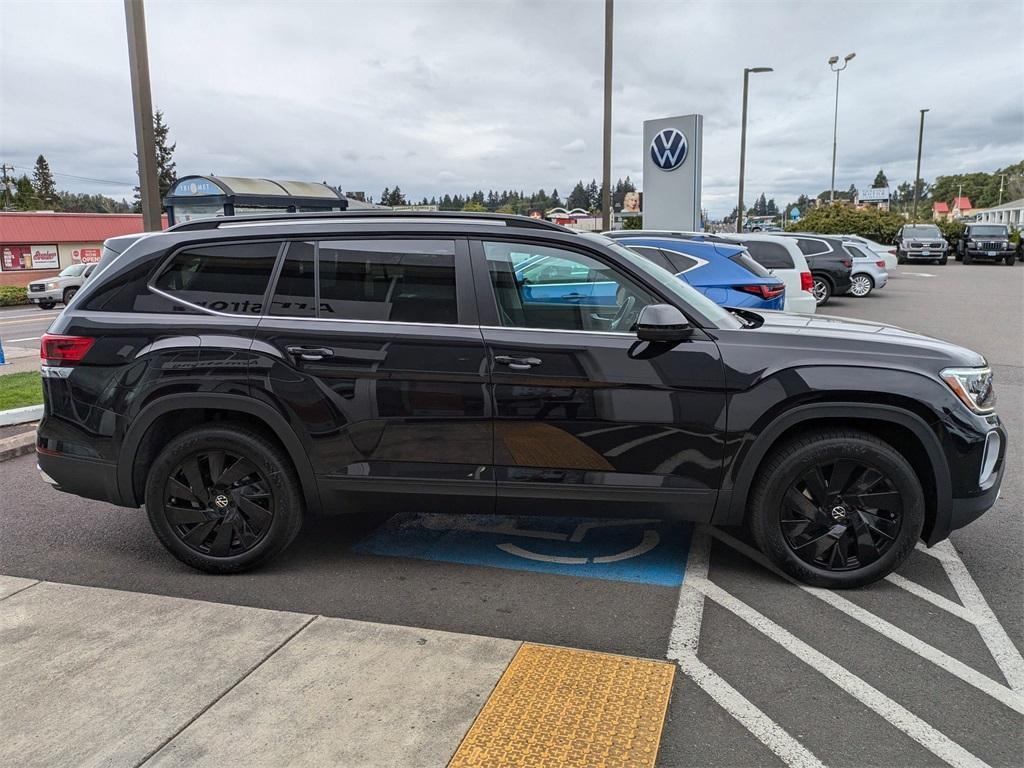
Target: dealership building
[[40, 244]]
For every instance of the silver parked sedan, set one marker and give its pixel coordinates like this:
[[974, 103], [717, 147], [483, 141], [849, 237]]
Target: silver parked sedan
[[868, 270]]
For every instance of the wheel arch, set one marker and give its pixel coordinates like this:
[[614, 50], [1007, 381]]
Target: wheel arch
[[904, 430], [186, 410]]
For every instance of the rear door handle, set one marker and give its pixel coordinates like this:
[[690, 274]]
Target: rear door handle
[[517, 363], [310, 353]]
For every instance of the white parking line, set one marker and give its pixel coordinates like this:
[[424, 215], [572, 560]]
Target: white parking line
[[898, 716], [932, 597], [890, 631], [27, 338], [1005, 653], [683, 642]]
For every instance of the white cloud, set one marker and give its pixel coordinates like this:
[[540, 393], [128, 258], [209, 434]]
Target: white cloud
[[451, 96]]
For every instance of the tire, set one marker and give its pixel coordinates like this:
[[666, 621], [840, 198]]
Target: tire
[[943, 260], [873, 469], [47, 304], [967, 258], [69, 293], [1009, 260], [262, 505], [861, 285], [900, 257], [821, 290]]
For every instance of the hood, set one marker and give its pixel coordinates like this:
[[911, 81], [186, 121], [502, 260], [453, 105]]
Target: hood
[[42, 280], [848, 337]]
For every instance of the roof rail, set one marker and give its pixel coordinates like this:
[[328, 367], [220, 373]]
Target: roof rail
[[509, 220]]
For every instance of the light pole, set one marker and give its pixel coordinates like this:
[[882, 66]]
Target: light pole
[[832, 61], [606, 169], [917, 176], [743, 141], [142, 101]]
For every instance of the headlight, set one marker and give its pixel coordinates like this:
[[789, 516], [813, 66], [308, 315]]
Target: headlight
[[974, 387], [972, 245], [51, 286]]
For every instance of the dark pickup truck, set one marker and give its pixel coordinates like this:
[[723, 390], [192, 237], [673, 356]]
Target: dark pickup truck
[[990, 242]]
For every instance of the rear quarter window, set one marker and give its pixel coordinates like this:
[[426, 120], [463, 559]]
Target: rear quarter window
[[770, 255], [743, 259], [812, 247]]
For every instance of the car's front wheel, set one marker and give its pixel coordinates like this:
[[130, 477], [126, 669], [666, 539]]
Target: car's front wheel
[[69, 294], [1009, 260], [967, 258], [223, 498], [821, 290], [836, 508], [861, 285], [47, 304]]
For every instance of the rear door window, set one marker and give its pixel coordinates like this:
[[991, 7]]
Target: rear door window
[[810, 247], [770, 255], [655, 256], [229, 278], [295, 292], [409, 281]]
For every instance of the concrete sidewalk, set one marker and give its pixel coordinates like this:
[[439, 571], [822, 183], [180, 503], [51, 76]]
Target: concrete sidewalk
[[92, 676]]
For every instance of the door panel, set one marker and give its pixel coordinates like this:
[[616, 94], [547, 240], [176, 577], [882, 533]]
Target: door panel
[[387, 408], [597, 422]]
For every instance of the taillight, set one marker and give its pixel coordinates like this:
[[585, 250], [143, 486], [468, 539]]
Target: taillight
[[880, 264], [806, 281], [64, 350], [764, 291]]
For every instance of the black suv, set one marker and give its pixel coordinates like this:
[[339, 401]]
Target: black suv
[[989, 242], [233, 376], [829, 262]]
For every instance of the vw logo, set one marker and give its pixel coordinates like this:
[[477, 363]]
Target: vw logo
[[220, 501], [668, 149], [839, 513]]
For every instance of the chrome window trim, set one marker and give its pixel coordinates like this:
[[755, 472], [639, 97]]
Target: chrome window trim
[[188, 303], [556, 330]]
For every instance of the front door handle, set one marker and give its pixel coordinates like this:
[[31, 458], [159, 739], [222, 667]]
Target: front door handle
[[310, 353], [517, 363]]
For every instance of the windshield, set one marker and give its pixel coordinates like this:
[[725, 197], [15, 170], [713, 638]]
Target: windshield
[[993, 230], [73, 271], [922, 231], [720, 316]]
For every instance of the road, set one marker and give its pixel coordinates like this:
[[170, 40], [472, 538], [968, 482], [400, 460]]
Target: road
[[916, 670], [20, 331]]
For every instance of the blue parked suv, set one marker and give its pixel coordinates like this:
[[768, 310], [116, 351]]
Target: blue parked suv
[[726, 274]]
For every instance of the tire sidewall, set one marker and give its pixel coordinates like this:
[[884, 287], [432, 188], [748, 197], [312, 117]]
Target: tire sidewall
[[768, 532], [828, 290], [286, 500]]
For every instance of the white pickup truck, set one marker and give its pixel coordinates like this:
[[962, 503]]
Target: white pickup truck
[[47, 292]]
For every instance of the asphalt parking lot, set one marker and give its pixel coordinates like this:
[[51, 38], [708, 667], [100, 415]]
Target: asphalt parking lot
[[921, 669]]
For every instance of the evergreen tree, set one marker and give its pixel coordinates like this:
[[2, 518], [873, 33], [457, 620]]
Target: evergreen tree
[[771, 209], [880, 180], [42, 182], [166, 168], [578, 198], [593, 196], [25, 198]]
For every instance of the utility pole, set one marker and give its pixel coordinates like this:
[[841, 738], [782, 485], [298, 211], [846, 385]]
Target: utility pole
[[7, 186], [142, 103], [917, 176], [833, 60], [606, 173], [1002, 178], [743, 141]]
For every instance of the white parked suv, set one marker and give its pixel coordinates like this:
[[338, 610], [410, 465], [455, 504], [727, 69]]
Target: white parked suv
[[48, 291], [886, 253], [783, 257]]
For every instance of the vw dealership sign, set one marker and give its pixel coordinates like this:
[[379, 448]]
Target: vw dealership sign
[[668, 149], [672, 160]]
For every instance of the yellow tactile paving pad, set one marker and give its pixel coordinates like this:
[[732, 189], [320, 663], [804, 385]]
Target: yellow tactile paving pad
[[562, 708]]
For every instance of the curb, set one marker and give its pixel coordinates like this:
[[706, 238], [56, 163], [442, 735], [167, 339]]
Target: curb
[[21, 415], [17, 445]]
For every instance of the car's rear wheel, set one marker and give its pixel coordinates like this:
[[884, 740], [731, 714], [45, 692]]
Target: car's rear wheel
[[223, 499], [69, 293], [861, 285], [47, 304], [836, 508], [821, 290]]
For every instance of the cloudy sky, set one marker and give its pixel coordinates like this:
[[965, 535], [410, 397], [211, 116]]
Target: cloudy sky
[[454, 96]]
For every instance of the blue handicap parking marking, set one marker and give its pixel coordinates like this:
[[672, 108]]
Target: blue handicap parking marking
[[644, 551]]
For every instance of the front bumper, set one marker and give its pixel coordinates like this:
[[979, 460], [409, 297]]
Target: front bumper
[[967, 508], [53, 295], [991, 253], [925, 253]]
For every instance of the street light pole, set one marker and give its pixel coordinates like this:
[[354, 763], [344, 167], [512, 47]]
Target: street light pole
[[606, 172], [833, 60], [743, 141], [142, 102], [917, 176]]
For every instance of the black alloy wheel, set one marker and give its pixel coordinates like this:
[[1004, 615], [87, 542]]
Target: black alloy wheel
[[841, 515], [218, 503], [223, 497]]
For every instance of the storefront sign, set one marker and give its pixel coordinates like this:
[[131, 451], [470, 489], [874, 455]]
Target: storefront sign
[[85, 255], [672, 172], [45, 257], [14, 257]]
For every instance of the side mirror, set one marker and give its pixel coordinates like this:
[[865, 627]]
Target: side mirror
[[662, 322]]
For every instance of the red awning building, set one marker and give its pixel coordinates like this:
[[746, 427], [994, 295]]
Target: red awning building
[[39, 244]]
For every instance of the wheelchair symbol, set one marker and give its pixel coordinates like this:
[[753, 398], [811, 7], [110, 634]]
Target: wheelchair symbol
[[649, 540]]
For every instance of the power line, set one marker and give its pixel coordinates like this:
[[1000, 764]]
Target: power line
[[79, 178]]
